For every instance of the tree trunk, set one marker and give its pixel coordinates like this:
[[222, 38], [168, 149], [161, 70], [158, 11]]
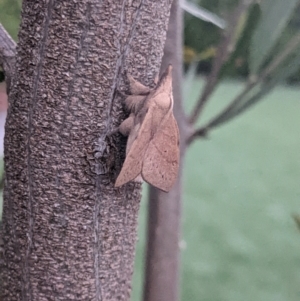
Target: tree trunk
[[68, 234], [164, 209]]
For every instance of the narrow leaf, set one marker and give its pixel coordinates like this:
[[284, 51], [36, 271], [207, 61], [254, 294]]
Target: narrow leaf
[[284, 72], [274, 16], [203, 14]]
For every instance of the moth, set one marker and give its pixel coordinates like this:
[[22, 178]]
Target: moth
[[152, 150]]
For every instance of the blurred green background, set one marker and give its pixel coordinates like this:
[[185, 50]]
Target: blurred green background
[[10, 16], [241, 186]]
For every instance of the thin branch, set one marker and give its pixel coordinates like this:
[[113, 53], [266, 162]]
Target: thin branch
[[284, 72], [239, 104], [7, 55], [225, 48], [201, 13]]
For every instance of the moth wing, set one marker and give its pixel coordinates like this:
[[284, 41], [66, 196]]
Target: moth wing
[[161, 161], [141, 137]]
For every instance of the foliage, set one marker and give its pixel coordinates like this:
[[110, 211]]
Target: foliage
[[267, 71], [271, 68], [201, 36], [10, 16], [269, 29]]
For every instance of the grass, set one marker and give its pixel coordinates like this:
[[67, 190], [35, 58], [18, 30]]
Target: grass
[[241, 188]]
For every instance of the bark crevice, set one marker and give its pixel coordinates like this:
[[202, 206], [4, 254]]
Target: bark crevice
[[27, 286]]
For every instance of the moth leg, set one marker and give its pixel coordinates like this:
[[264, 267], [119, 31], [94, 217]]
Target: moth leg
[[136, 87], [133, 102], [127, 125]]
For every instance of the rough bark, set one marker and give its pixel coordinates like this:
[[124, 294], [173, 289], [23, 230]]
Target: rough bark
[[68, 234], [164, 209]]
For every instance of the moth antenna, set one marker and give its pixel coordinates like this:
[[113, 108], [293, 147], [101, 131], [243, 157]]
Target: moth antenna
[[127, 125]]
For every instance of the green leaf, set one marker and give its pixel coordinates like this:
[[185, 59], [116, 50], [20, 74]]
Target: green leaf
[[274, 16], [202, 13]]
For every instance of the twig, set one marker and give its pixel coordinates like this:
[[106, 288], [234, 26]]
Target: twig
[[225, 48], [7, 55], [239, 104], [202, 13]]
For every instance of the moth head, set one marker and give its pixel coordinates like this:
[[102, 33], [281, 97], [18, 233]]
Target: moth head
[[166, 79]]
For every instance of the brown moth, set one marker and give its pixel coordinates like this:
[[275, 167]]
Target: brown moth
[[152, 150]]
